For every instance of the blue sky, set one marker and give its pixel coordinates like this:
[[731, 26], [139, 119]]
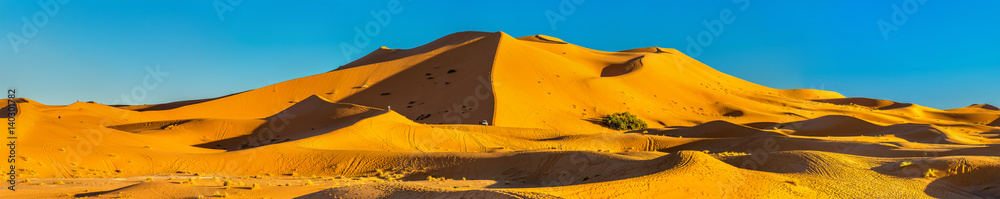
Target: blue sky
[[943, 55]]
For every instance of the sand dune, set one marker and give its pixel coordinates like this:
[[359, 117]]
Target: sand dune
[[866, 102], [407, 123], [985, 106]]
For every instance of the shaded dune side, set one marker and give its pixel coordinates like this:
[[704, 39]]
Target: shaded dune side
[[837, 125], [400, 190], [310, 117], [817, 163], [384, 54], [649, 50], [985, 106], [169, 105], [456, 91], [685, 171], [429, 73], [623, 68], [543, 39], [319, 84], [194, 132], [531, 168], [4, 111], [867, 102], [689, 174], [164, 106], [20, 102], [913, 113], [717, 129]]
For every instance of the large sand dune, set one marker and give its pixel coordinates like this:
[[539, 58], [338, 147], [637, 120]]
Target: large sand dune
[[406, 123]]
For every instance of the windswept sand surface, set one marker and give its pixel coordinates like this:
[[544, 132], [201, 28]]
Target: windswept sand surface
[[405, 123]]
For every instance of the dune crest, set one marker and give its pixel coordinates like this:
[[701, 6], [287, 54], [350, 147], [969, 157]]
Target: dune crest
[[985, 106]]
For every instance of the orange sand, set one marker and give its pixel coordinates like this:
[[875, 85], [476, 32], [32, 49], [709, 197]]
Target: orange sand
[[404, 123]]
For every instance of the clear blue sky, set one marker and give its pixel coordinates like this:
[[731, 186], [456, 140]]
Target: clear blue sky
[[946, 54]]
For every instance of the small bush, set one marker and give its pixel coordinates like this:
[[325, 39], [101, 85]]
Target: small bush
[[905, 164], [189, 181], [432, 178], [624, 121], [730, 153], [931, 173]]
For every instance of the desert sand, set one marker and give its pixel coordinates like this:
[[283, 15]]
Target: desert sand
[[406, 123]]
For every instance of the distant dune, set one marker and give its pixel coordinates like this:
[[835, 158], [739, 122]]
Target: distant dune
[[409, 123]]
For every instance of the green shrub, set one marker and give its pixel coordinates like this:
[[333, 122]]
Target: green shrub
[[624, 121]]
